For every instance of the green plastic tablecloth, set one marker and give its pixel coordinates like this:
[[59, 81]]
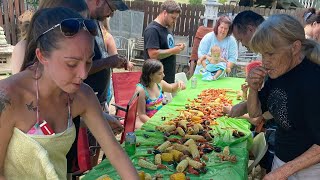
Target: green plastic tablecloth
[[217, 170]]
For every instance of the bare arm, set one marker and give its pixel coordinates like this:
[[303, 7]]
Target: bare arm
[[6, 129], [305, 160], [111, 45], [173, 87], [114, 61], [18, 56], [94, 119], [142, 105], [164, 53]]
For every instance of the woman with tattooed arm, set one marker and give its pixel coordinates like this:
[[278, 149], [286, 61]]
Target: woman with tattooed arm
[[37, 105]]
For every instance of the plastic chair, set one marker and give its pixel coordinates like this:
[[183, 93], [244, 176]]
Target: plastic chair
[[124, 87], [181, 77], [258, 149], [130, 117]]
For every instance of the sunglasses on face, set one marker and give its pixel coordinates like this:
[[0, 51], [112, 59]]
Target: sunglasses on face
[[70, 27]]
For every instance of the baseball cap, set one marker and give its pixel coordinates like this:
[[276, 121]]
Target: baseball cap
[[120, 5]]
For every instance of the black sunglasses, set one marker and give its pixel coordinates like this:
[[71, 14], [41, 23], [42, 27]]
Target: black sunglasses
[[70, 27]]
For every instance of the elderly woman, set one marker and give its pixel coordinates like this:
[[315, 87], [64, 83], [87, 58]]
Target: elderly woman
[[289, 59], [219, 37]]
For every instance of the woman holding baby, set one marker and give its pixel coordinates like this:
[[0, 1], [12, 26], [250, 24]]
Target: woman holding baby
[[218, 51]]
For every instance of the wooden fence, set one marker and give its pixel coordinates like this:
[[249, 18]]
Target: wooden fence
[[189, 19], [186, 25], [10, 10]]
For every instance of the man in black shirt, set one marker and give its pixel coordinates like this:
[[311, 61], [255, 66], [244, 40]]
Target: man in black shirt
[[158, 39]]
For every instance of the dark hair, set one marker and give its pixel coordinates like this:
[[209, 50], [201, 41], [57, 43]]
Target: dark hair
[[222, 19], [149, 67], [41, 21], [246, 18], [77, 5], [170, 6], [311, 16]]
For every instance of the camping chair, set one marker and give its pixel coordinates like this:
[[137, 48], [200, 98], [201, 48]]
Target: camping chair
[[124, 87], [258, 149], [130, 117]]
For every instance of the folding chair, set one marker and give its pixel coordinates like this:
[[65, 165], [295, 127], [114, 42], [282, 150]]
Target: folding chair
[[130, 117], [124, 86]]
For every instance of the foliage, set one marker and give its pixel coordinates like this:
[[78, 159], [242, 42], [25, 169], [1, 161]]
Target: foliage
[[195, 1], [33, 3], [222, 1]]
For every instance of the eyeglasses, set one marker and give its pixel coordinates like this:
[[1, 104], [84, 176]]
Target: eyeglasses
[[70, 27], [110, 7]]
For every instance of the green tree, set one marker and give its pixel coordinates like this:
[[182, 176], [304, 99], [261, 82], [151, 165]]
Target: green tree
[[34, 3], [195, 1]]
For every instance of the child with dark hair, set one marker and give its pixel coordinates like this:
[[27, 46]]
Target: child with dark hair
[[151, 88]]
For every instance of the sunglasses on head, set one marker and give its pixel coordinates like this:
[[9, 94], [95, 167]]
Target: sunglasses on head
[[70, 27]]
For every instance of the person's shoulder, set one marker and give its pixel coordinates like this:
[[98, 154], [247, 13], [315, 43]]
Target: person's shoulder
[[231, 38]]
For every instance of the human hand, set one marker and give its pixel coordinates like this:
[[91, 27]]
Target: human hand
[[130, 66], [256, 77], [181, 85], [228, 70], [116, 126], [238, 110], [180, 46]]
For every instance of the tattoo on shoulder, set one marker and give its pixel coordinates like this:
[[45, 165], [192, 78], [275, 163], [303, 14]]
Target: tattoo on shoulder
[[31, 107], [4, 101]]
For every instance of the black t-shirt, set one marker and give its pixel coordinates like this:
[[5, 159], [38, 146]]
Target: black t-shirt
[[99, 81], [293, 100], [158, 37]]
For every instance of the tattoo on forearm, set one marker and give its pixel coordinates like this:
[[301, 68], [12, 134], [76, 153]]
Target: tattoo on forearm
[[31, 107]]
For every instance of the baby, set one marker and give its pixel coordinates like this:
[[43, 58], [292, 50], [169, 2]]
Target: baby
[[211, 63]]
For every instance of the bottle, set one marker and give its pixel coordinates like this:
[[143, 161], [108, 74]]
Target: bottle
[[130, 143], [194, 82]]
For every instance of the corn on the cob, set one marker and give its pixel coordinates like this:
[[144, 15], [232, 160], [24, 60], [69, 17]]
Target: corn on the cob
[[196, 118], [183, 123], [104, 177], [182, 165], [180, 131], [194, 137], [195, 129], [226, 151], [145, 164], [166, 128], [141, 175], [164, 146], [157, 159], [178, 176], [199, 126], [190, 130], [180, 147], [176, 154], [167, 157], [193, 148], [147, 176], [194, 164]]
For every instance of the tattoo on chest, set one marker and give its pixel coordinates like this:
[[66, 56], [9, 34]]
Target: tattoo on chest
[[31, 107]]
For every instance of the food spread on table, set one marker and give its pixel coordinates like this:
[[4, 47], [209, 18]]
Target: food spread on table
[[190, 140], [187, 150]]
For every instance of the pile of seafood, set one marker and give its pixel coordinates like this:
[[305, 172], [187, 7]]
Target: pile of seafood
[[188, 140]]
